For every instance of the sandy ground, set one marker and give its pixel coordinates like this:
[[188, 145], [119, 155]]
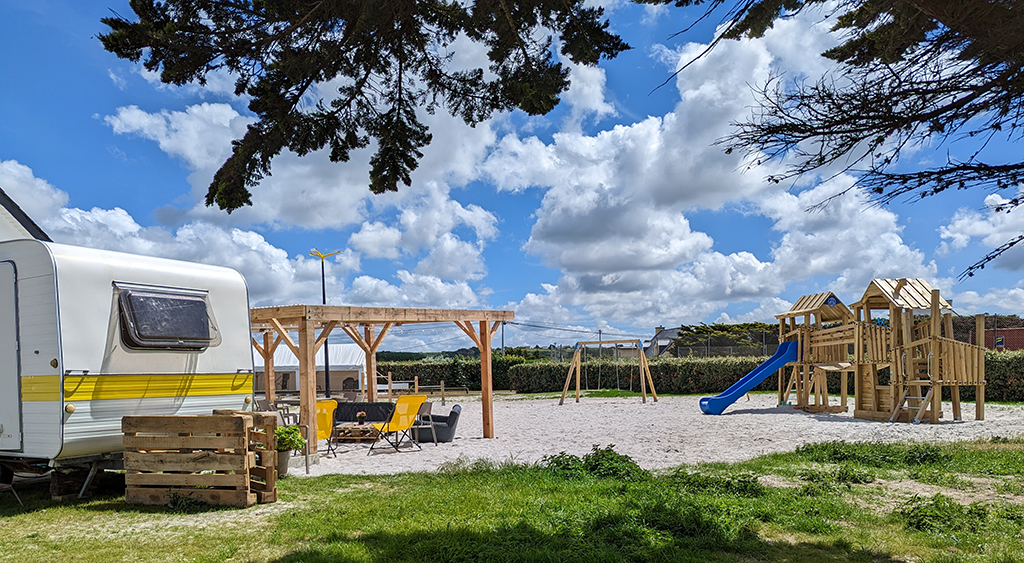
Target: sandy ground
[[660, 435]]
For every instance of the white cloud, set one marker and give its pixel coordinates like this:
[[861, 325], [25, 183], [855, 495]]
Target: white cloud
[[376, 240], [452, 259], [848, 238], [117, 79], [764, 313], [201, 135], [586, 93], [414, 290], [35, 196], [992, 228]]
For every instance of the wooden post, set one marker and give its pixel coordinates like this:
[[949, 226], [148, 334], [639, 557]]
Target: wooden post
[[416, 384], [844, 387], [486, 384], [371, 365], [269, 379], [937, 359], [573, 365], [307, 378], [979, 388]]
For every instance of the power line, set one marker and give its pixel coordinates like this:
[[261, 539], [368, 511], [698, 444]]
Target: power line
[[567, 329]]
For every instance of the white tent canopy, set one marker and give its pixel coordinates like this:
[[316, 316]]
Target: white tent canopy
[[343, 357]]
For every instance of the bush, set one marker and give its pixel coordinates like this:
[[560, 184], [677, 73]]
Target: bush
[[604, 463], [874, 454], [455, 372], [670, 375], [743, 485], [943, 516]]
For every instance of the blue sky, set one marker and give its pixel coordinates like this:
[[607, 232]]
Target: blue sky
[[611, 213]]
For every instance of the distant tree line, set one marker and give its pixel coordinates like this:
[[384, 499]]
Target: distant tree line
[[718, 335]]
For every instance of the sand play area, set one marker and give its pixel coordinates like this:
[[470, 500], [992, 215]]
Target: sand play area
[[660, 435]]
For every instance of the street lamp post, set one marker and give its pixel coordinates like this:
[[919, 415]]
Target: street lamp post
[[323, 291]]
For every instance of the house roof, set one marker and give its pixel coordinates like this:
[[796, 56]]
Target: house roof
[[15, 223], [661, 339], [826, 306], [905, 293]]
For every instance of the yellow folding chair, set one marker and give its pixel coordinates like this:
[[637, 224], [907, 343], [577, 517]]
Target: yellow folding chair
[[398, 427], [325, 422]]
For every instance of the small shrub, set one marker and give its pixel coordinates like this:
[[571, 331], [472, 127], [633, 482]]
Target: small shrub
[[605, 463], [289, 438], [941, 515], [743, 485], [844, 474], [874, 454]]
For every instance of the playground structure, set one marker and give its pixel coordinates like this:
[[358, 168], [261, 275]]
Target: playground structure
[[576, 366], [898, 370], [899, 366]]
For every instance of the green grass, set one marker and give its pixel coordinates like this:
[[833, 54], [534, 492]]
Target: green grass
[[826, 502]]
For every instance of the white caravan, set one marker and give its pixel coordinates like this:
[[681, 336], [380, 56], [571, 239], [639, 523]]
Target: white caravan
[[89, 336]]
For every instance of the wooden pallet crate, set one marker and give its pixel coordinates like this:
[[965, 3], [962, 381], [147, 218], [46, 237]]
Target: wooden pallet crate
[[262, 441], [203, 457]]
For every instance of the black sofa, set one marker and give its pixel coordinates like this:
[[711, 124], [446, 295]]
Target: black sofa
[[375, 412], [444, 427]]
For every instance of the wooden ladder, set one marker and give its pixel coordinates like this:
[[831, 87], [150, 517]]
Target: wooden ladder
[[904, 397]]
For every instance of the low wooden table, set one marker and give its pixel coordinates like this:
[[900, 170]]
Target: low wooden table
[[354, 432]]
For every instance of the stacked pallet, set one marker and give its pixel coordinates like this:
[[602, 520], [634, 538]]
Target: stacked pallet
[[209, 458], [262, 441]]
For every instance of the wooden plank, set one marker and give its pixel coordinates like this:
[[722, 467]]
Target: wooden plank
[[188, 462], [185, 424], [223, 480], [263, 473], [219, 497], [239, 442]]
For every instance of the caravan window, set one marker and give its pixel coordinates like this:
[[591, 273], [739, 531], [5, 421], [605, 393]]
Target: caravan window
[[166, 318]]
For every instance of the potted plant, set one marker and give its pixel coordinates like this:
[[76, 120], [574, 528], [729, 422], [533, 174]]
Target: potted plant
[[361, 417], [289, 438]]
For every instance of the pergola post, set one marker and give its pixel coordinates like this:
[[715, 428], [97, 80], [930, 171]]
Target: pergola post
[[486, 382], [371, 364], [269, 379], [307, 379]]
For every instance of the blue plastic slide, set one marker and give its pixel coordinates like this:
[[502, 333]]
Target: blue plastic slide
[[787, 352]]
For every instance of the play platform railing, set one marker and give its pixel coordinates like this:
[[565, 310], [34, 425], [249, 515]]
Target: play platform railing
[[959, 363]]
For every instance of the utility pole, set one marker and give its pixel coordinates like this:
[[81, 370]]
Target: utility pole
[[323, 292]]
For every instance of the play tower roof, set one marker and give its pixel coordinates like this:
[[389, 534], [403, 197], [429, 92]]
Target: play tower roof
[[903, 293], [825, 306]]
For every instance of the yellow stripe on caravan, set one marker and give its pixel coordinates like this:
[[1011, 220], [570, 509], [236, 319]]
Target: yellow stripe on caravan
[[99, 387], [40, 388]]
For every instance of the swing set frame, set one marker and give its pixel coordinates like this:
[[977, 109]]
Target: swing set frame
[[576, 366]]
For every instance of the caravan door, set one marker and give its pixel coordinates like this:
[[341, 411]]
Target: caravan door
[[10, 380]]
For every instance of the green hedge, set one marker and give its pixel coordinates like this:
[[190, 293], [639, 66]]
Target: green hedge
[[670, 375], [456, 372], [1004, 375]]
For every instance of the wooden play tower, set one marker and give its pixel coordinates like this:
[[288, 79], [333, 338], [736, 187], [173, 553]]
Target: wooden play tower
[[898, 370]]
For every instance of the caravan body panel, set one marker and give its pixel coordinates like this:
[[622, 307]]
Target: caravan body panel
[[73, 356]]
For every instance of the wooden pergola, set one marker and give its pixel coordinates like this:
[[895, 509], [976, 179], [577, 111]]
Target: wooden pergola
[[366, 326]]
